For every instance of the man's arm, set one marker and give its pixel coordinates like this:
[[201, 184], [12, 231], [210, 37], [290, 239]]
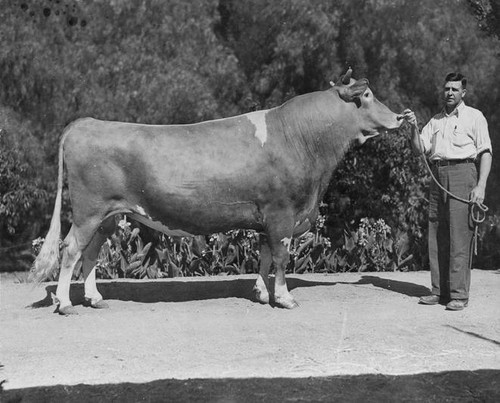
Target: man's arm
[[416, 142], [479, 191]]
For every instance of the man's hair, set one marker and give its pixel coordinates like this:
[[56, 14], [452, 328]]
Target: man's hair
[[456, 77]]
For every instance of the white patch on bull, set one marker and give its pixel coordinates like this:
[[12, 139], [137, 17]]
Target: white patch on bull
[[286, 243], [258, 119]]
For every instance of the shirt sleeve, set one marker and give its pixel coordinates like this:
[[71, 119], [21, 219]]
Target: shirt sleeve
[[426, 136], [482, 136]]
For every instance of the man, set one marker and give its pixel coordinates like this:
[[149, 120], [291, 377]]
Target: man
[[456, 141]]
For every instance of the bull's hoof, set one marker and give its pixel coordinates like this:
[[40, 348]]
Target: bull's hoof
[[67, 310], [260, 295], [96, 303], [100, 305], [287, 303]]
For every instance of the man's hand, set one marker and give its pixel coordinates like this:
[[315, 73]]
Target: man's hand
[[477, 194], [410, 117], [416, 143]]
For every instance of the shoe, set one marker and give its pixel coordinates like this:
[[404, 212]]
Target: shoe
[[430, 300], [457, 304]]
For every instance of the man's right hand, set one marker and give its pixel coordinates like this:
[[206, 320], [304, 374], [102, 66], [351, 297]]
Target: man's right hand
[[410, 117]]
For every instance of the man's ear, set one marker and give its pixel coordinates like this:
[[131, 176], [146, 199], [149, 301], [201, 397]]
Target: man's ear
[[464, 91]]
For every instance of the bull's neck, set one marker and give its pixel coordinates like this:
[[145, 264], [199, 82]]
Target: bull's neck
[[318, 128]]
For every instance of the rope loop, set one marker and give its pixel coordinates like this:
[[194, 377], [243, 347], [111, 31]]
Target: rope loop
[[478, 212]]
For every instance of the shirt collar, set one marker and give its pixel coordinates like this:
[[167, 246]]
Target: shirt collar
[[458, 109]]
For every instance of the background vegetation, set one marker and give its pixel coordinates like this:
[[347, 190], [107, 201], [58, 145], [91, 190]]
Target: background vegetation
[[179, 61]]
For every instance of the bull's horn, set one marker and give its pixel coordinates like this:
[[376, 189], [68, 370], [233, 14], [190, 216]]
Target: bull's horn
[[346, 79]]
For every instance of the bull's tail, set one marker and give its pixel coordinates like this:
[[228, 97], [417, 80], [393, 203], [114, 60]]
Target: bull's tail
[[47, 261]]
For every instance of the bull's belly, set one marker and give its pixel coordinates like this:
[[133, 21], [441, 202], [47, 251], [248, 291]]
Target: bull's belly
[[199, 219]]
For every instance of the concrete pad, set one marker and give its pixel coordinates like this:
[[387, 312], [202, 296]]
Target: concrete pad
[[347, 324]]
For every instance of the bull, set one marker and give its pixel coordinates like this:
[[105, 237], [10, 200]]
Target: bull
[[265, 170]]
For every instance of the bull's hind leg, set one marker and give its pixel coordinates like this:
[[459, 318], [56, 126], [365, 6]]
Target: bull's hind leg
[[92, 296], [261, 287], [75, 242], [70, 257]]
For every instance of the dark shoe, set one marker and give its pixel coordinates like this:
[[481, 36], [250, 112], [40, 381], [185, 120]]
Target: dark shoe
[[457, 304], [430, 300]]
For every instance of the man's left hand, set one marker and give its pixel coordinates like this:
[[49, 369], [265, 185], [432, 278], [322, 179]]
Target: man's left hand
[[477, 194]]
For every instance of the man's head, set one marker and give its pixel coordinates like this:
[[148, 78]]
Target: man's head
[[454, 90]]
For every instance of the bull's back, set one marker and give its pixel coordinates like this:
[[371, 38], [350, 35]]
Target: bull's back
[[182, 156]]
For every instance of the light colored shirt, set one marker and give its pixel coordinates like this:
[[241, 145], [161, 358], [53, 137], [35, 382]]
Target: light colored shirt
[[459, 135]]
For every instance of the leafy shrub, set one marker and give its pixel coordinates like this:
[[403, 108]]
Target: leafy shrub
[[18, 192], [385, 179], [20, 201], [372, 246], [126, 255], [488, 253]]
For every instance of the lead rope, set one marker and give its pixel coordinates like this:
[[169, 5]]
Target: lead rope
[[478, 209]]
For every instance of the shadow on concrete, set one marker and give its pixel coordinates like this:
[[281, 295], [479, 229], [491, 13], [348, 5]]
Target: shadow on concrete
[[401, 287], [189, 290], [473, 334], [454, 386], [172, 291]]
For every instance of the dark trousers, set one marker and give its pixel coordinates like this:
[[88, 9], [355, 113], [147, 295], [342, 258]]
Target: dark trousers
[[451, 231]]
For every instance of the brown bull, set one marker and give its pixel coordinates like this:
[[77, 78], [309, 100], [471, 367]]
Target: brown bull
[[265, 170]]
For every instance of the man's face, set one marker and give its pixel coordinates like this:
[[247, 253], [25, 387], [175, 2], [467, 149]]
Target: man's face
[[453, 94]]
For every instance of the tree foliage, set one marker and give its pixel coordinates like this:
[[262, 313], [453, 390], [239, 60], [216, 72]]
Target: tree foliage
[[179, 61]]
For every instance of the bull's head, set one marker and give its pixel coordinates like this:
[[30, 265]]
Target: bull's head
[[372, 116]]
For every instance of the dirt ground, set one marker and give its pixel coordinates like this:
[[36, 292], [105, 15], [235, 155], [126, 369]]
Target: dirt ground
[[351, 324]]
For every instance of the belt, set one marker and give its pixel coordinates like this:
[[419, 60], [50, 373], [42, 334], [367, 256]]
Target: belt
[[443, 163]]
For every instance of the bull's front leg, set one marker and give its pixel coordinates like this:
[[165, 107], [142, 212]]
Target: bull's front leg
[[279, 233], [261, 287], [282, 296]]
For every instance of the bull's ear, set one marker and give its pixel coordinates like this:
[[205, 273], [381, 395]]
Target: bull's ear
[[349, 94]]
